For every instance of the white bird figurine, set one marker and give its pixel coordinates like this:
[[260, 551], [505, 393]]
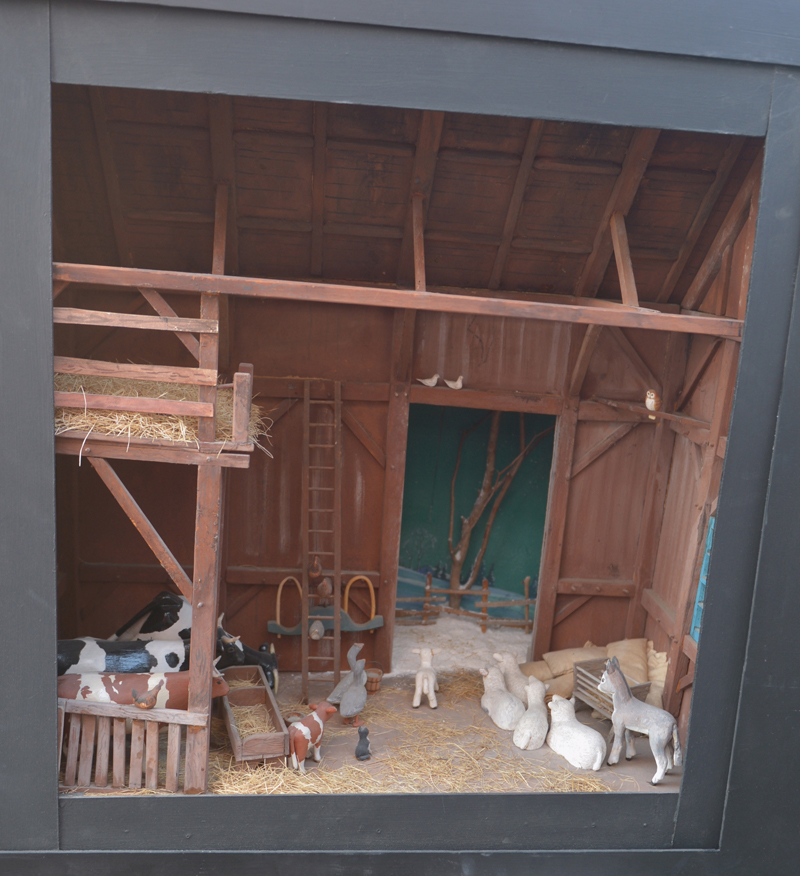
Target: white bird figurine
[[430, 381], [456, 384]]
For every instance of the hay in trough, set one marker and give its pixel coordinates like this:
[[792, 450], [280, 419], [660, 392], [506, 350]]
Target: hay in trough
[[251, 720], [161, 427]]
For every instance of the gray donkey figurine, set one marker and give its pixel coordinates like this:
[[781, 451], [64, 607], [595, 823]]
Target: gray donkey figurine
[[631, 714]]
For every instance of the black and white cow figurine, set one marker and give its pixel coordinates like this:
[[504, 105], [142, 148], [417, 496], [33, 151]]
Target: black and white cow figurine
[[169, 615], [77, 656]]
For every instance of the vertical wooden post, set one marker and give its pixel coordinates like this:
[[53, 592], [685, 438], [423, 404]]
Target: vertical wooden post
[[396, 442], [337, 535], [204, 621], [556, 519], [526, 586], [484, 601], [304, 534]]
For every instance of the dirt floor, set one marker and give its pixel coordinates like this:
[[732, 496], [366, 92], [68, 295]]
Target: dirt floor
[[455, 748]]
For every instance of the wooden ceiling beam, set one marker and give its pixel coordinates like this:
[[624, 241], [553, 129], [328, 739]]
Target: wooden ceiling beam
[[635, 164], [701, 217], [515, 204], [318, 186], [418, 232], [731, 226], [372, 296], [422, 173], [622, 255]]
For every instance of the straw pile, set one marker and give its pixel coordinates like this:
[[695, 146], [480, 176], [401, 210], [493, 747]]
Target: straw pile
[[251, 720], [126, 424], [234, 683]]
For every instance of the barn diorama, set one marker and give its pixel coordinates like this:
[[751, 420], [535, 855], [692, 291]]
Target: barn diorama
[[260, 307]]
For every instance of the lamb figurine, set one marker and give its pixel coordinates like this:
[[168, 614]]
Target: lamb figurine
[[426, 677], [515, 680], [530, 732], [631, 714], [500, 705], [583, 747]]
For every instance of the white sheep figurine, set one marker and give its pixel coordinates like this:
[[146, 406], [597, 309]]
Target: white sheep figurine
[[515, 680], [583, 747], [530, 732], [426, 677], [500, 705]]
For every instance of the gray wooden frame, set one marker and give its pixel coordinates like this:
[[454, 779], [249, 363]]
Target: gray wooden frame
[[746, 677]]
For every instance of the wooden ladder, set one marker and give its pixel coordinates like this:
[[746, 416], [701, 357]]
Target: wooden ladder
[[322, 521]]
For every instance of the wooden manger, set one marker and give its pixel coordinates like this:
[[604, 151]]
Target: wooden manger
[[249, 688], [587, 676]]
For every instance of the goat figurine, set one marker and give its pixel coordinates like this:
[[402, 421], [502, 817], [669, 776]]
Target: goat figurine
[[630, 715], [426, 677]]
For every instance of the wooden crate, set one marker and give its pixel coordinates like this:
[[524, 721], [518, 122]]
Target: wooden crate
[[260, 746], [587, 677]]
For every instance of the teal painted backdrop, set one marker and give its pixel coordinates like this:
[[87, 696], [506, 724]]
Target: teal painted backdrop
[[515, 544]]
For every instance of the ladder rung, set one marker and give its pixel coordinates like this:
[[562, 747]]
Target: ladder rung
[[317, 657], [322, 510], [321, 401], [320, 530], [322, 467], [322, 424], [324, 553], [330, 446], [324, 489]]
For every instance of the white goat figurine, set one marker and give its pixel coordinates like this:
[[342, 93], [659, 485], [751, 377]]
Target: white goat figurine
[[500, 705], [530, 732], [583, 747], [426, 677], [515, 680], [631, 714]]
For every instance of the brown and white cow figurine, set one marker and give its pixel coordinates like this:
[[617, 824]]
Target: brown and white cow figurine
[[305, 736]]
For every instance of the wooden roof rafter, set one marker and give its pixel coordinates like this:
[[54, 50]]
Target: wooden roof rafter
[[633, 168], [422, 173], [515, 204], [701, 217]]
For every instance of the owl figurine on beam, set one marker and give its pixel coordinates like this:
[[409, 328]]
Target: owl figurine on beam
[[652, 402]]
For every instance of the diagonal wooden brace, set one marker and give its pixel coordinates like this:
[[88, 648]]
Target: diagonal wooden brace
[[145, 527]]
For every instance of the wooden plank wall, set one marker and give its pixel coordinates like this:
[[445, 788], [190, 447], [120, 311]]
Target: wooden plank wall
[[512, 204]]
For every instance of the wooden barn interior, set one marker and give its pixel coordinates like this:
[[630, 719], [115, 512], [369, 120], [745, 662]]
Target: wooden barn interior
[[344, 252]]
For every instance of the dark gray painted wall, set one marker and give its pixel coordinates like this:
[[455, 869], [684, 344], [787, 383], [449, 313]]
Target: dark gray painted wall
[[162, 48], [767, 31], [28, 814], [169, 48]]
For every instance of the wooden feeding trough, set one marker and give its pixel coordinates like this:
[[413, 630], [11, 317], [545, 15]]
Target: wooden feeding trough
[[587, 677], [249, 688]]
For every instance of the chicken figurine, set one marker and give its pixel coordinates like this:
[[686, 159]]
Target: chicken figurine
[[652, 402], [351, 692], [148, 699]]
